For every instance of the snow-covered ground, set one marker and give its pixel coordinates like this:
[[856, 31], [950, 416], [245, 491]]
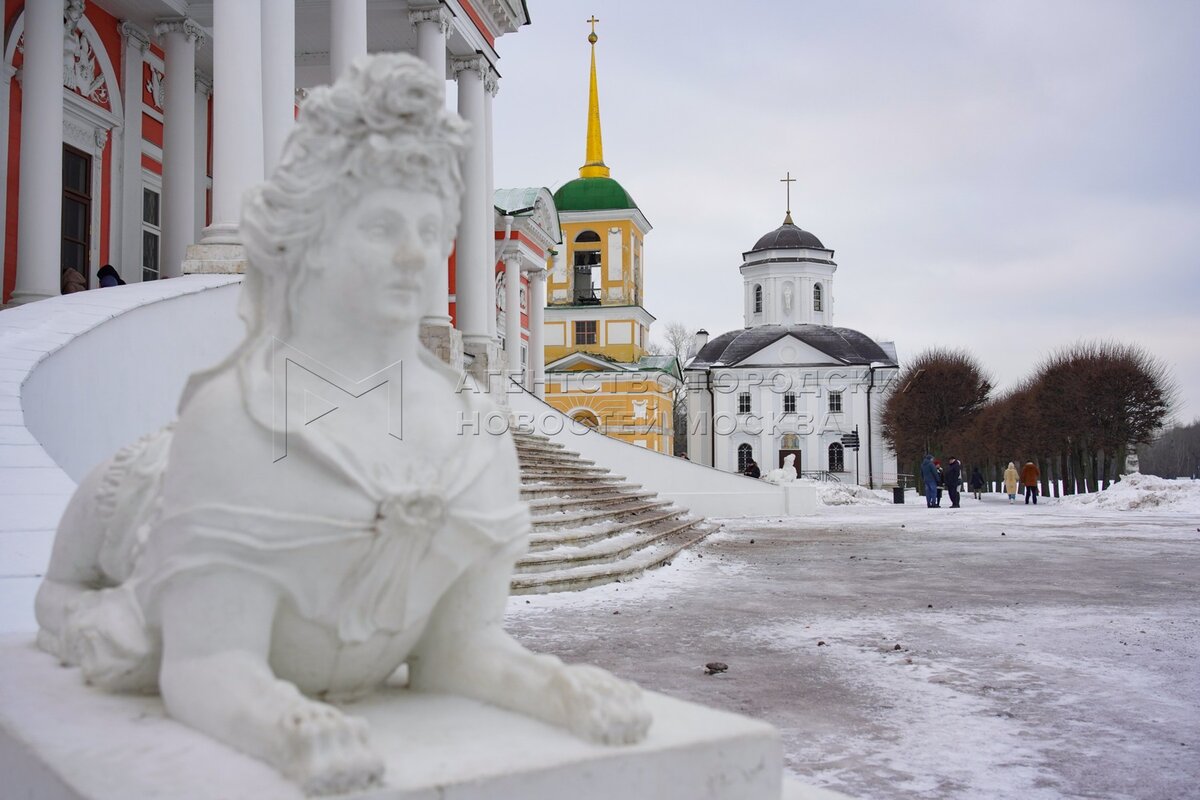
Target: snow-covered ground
[[992, 651]]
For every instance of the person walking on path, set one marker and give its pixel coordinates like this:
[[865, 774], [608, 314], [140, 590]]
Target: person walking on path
[[953, 479], [1011, 479], [1029, 479], [929, 475], [976, 483]]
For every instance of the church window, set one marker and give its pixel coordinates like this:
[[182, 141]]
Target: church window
[[757, 298], [588, 236], [789, 403], [745, 454], [835, 402], [585, 332], [744, 403], [586, 269], [817, 292], [837, 457]]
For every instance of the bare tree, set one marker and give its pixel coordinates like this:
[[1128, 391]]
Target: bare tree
[[676, 341]]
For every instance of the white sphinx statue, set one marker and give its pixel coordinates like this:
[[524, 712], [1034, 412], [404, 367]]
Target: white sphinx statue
[[784, 474], [255, 562]]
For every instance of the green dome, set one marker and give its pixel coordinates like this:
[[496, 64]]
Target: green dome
[[592, 194]]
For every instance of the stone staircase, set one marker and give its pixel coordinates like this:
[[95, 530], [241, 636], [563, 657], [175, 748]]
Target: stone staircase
[[591, 527]]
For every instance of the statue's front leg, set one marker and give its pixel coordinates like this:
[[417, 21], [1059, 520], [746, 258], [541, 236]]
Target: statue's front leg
[[216, 678], [465, 651]]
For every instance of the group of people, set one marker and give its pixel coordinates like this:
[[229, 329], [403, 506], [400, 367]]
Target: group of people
[[936, 479], [74, 281]]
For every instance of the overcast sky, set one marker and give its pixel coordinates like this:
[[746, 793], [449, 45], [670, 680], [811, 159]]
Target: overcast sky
[[1008, 177]]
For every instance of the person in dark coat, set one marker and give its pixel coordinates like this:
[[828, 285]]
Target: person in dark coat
[[976, 483], [953, 479], [752, 470], [941, 482], [929, 476], [109, 276]]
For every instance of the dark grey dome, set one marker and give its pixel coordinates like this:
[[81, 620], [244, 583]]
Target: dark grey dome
[[788, 236]]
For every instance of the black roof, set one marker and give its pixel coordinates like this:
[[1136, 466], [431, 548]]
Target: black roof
[[787, 236], [843, 344]]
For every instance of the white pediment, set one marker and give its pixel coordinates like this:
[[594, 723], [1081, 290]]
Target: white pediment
[[788, 350]]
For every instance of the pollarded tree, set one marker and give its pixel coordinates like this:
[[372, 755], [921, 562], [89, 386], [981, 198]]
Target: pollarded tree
[[938, 393]]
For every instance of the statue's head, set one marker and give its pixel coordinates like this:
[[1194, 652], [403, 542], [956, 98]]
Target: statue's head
[[362, 209]]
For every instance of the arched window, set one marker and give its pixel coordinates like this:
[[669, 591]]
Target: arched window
[[587, 418], [587, 269], [791, 441], [817, 297], [745, 453], [757, 298], [587, 236], [837, 457]]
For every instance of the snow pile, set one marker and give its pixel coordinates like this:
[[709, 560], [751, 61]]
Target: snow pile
[[1144, 493], [845, 494]]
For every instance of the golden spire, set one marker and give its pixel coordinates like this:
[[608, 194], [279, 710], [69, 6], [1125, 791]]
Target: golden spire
[[594, 166]]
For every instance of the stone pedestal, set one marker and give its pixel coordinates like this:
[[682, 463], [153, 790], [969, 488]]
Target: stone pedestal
[[487, 366], [62, 739], [444, 342], [211, 258]]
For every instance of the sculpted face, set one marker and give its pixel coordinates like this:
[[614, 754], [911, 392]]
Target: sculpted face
[[380, 253]]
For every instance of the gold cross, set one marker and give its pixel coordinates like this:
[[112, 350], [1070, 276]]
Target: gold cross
[[788, 181], [593, 20]]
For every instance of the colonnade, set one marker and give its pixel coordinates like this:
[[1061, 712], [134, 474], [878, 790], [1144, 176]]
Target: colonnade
[[253, 94]]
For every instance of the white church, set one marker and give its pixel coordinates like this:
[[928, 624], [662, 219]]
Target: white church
[[790, 382]]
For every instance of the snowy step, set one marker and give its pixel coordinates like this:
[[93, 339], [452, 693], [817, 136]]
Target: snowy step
[[590, 488], [568, 518], [543, 460], [605, 499], [580, 535], [575, 578], [604, 552]]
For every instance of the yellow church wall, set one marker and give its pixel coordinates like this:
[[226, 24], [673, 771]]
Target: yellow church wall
[[615, 404], [630, 244]]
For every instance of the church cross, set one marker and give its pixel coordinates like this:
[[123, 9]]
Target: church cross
[[593, 20], [788, 181]]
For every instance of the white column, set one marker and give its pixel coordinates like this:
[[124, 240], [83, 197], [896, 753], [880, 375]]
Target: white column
[[347, 34], [512, 311], [39, 199], [491, 85], [537, 331], [432, 25], [472, 281], [136, 43], [279, 76], [237, 113], [6, 75], [200, 185], [179, 141]]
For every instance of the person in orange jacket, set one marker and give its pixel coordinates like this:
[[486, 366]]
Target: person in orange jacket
[[1029, 479]]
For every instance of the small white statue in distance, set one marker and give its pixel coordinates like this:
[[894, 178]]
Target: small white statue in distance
[[260, 557], [786, 473]]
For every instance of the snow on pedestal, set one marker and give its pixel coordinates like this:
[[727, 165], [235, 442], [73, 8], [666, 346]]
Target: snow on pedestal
[[62, 739]]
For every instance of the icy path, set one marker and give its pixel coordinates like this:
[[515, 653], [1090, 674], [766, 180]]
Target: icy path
[[1060, 659]]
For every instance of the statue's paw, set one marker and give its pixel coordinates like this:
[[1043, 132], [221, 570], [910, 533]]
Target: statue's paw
[[600, 706], [326, 751]]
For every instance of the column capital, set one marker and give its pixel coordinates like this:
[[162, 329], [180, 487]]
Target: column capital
[[186, 26], [536, 273], [133, 36], [204, 84], [491, 82], [438, 15], [476, 63]]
